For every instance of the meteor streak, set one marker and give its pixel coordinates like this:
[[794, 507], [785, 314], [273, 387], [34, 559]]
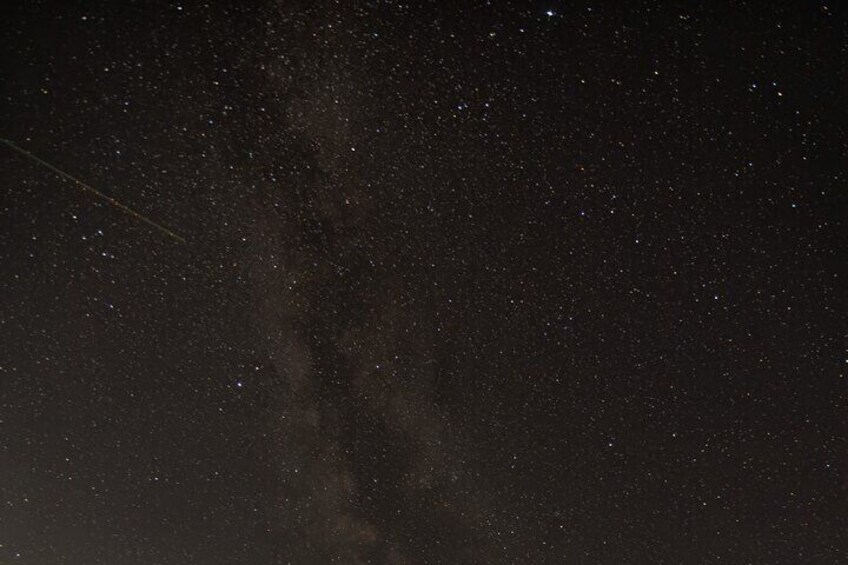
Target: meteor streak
[[83, 186]]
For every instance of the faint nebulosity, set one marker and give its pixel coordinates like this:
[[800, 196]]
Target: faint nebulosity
[[462, 283]]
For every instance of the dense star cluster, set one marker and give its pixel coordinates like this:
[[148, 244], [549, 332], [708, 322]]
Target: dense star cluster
[[461, 283]]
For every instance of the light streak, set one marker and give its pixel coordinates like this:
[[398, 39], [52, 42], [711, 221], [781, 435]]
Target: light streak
[[87, 188]]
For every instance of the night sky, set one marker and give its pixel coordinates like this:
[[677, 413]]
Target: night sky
[[462, 283]]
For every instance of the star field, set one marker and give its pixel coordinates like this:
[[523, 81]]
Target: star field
[[453, 283]]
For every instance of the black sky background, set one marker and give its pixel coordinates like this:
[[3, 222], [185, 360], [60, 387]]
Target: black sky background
[[475, 282]]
